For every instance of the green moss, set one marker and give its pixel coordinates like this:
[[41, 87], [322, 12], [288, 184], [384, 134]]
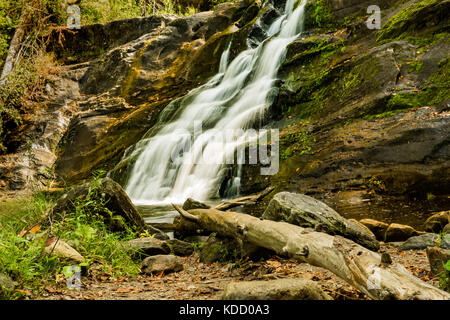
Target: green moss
[[411, 20], [416, 66], [319, 15]]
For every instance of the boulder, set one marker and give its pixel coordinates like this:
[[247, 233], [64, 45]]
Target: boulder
[[62, 249], [437, 221], [399, 232], [419, 242], [113, 199], [223, 249], [362, 226], [219, 249], [308, 212], [180, 248], [148, 246], [437, 257], [377, 227], [161, 263], [281, 289]]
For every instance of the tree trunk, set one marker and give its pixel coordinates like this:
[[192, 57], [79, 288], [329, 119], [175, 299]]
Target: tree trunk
[[14, 48], [364, 269], [245, 200]]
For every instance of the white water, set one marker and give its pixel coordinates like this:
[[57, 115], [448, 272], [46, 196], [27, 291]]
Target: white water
[[235, 98]]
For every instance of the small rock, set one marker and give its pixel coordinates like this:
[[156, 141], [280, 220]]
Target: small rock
[[180, 248], [280, 289], [161, 263], [437, 221], [399, 232], [377, 227], [437, 257], [6, 283], [148, 246], [60, 248]]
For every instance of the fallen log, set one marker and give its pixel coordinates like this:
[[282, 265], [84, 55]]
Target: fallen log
[[366, 270], [245, 200]]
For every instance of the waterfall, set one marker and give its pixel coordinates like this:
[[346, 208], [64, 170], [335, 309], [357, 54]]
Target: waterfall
[[172, 161]]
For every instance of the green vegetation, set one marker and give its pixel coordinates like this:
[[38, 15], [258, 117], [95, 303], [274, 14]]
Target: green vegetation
[[410, 20], [319, 15], [296, 143], [22, 256], [444, 279]]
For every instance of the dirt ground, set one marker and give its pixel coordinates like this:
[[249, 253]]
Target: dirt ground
[[200, 281]]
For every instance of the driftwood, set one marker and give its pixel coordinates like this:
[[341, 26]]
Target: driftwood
[[371, 273], [245, 200]]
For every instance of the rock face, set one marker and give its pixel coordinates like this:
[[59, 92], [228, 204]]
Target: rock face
[[308, 212], [161, 263], [114, 198], [399, 232], [437, 257], [377, 227], [282, 289], [437, 221]]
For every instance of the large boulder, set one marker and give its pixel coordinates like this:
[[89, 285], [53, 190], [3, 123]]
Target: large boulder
[[399, 232], [108, 197], [308, 212], [281, 289], [377, 227], [161, 263], [437, 221]]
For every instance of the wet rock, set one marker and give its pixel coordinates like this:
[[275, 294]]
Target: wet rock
[[148, 246], [437, 257], [114, 199], [62, 249], [281, 289], [161, 263], [377, 227], [190, 204], [308, 212], [437, 221], [399, 232], [180, 248]]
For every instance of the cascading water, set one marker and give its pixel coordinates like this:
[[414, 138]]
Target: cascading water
[[233, 99]]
